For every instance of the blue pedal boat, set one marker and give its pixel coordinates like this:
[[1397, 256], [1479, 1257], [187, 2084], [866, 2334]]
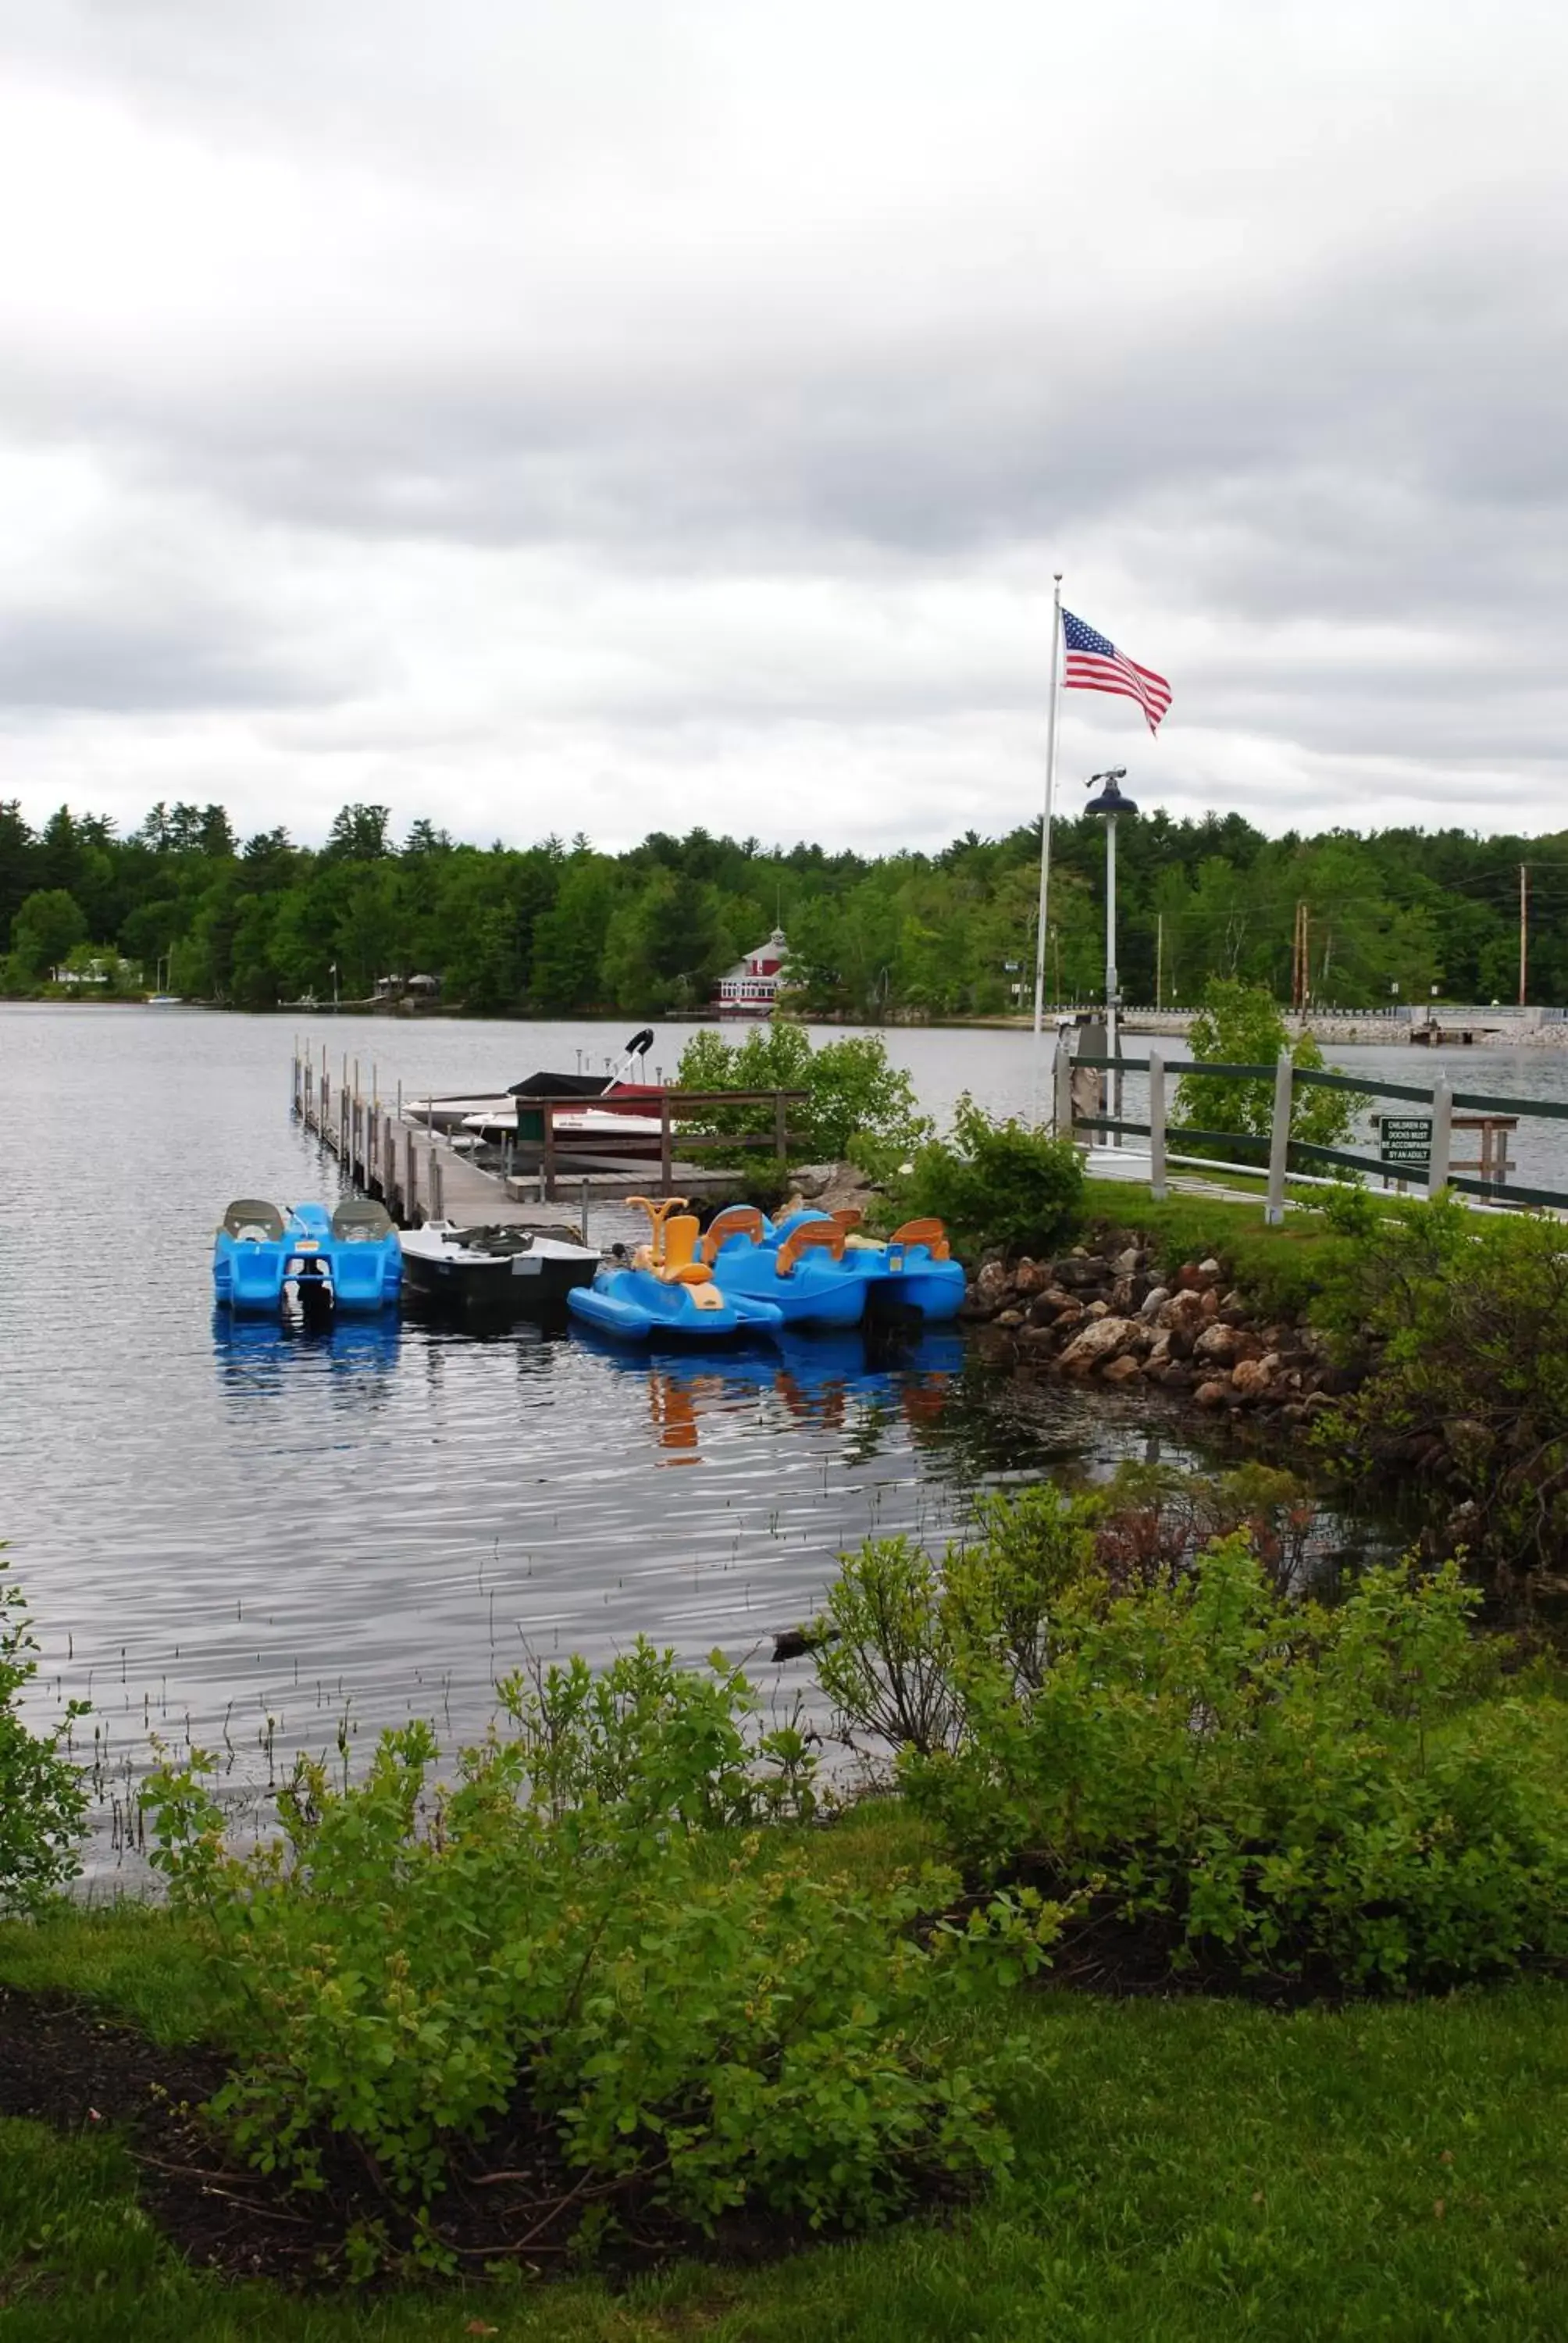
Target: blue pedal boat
[[822, 1272], [324, 1263], [666, 1292], [800, 1267]]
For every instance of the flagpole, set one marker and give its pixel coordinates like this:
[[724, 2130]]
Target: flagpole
[[1045, 840]]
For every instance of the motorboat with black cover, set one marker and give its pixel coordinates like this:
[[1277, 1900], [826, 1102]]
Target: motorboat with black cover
[[497, 1273], [494, 1115]]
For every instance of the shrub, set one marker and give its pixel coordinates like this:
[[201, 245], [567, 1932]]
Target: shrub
[[1240, 1025], [43, 1797], [1085, 1693], [555, 1937], [997, 1183], [1464, 1318], [1286, 1788], [853, 1094]]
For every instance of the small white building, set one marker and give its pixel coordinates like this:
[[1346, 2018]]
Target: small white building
[[751, 988]]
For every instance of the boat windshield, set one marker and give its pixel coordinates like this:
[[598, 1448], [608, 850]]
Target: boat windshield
[[249, 1218], [358, 1221]]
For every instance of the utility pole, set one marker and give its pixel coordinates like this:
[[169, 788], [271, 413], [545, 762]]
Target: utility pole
[[1524, 930], [1300, 963]]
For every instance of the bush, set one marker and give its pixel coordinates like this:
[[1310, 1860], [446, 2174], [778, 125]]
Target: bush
[[1270, 1785], [43, 1797], [1464, 1318], [1290, 1790], [1240, 1025], [997, 1183], [853, 1094], [556, 1938]]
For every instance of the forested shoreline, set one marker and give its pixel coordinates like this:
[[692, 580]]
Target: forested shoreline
[[562, 929]]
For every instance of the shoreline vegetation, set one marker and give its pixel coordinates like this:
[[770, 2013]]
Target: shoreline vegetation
[[181, 904], [1192, 1960]]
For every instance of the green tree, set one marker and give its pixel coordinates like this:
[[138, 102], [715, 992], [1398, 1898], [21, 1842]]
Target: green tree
[[1241, 1025], [48, 924]]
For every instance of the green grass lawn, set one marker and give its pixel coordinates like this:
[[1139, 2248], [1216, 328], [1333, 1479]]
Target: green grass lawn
[[1187, 2169]]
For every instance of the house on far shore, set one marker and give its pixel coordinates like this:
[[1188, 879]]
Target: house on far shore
[[751, 988]]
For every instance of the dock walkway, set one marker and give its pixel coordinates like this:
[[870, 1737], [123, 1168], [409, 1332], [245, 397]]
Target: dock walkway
[[419, 1175]]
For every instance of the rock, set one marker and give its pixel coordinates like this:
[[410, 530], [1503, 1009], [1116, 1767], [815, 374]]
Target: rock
[[993, 1285], [1046, 1308], [1097, 1343], [1234, 1300], [1316, 1403], [1180, 1340], [1009, 1317], [1211, 1304], [1124, 1369], [1184, 1310], [1211, 1394], [1031, 1277], [1251, 1378], [1217, 1346], [1293, 1412], [1078, 1271], [1037, 1338], [1187, 1277], [1128, 1263], [1098, 1309], [1153, 1301], [1121, 1296], [1211, 1271], [1071, 1314], [1234, 1317]]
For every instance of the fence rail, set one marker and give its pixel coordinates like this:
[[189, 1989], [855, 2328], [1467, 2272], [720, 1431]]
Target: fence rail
[[1278, 1152]]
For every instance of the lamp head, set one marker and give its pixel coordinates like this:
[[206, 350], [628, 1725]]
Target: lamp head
[[1110, 799]]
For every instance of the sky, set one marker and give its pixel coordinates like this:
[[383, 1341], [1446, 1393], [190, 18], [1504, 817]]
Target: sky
[[632, 414]]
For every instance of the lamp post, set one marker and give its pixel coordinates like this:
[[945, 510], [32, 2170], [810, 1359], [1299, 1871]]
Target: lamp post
[[1106, 806]]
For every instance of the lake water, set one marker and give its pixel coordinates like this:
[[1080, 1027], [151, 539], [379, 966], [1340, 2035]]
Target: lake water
[[246, 1538], [241, 1537]]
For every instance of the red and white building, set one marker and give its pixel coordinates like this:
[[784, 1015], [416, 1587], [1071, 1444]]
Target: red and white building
[[751, 988]]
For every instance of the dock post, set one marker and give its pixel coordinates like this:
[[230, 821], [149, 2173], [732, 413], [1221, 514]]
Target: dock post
[[1156, 1126], [1278, 1141], [1062, 1092], [436, 1212], [780, 1128], [583, 1215], [666, 1171], [409, 1186], [1441, 1135], [547, 1168]]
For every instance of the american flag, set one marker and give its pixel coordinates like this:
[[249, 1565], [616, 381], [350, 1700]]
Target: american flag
[[1094, 664]]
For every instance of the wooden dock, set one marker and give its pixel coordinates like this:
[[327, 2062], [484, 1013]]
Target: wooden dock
[[419, 1175]]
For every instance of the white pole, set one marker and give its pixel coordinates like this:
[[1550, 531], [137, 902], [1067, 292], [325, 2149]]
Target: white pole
[[1157, 1125], [1279, 1140], [1113, 1081], [1045, 839], [1441, 1135]]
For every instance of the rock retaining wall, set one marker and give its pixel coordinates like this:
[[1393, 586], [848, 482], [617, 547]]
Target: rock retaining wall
[[1100, 1313]]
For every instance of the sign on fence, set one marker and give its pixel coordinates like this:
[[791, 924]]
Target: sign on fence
[[1405, 1139]]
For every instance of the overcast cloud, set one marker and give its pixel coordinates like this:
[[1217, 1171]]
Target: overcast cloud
[[648, 412]]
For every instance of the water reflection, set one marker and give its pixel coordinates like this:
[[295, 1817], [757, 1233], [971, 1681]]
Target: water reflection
[[845, 1383], [259, 1354]]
